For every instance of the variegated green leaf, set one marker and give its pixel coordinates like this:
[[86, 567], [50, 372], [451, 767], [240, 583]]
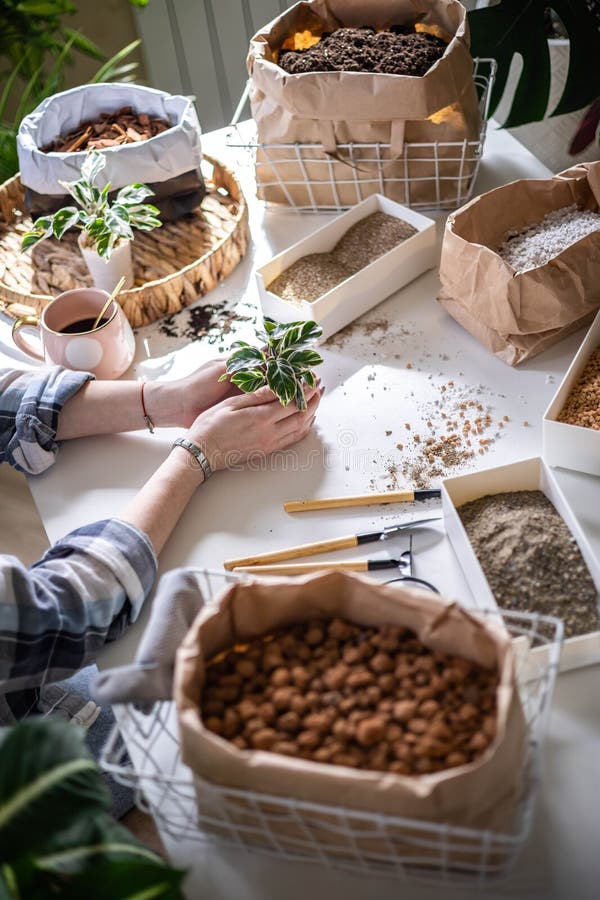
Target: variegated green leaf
[[63, 220], [93, 164], [249, 381], [281, 378], [134, 194]]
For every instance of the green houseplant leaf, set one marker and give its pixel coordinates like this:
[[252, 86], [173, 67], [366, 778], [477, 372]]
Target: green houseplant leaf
[[56, 839], [45, 776], [285, 363], [103, 223], [514, 26]]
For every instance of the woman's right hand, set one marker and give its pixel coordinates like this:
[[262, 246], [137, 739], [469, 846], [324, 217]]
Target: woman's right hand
[[252, 426]]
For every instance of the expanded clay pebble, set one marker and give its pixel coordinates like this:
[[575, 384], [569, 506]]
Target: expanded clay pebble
[[583, 403], [533, 246], [369, 698]]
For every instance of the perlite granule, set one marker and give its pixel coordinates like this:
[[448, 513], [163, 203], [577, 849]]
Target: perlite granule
[[528, 248], [312, 276]]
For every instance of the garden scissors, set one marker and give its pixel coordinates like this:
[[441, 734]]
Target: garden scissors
[[403, 564], [341, 543]]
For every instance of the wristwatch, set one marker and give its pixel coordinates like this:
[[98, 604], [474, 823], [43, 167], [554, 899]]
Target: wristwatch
[[196, 451]]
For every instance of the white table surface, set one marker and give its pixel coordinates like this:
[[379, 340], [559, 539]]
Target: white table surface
[[237, 513]]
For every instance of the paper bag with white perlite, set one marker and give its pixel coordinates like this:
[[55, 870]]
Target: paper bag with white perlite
[[332, 108], [481, 794], [518, 315]]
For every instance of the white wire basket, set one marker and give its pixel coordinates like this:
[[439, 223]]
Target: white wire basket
[[143, 753], [435, 175]]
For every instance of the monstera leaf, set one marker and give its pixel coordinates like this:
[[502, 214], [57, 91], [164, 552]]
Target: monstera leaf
[[517, 26]]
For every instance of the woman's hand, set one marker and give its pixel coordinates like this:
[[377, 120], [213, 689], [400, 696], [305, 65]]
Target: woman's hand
[[202, 389], [252, 426], [179, 403]]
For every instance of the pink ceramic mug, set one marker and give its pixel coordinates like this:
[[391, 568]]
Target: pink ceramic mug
[[107, 351]]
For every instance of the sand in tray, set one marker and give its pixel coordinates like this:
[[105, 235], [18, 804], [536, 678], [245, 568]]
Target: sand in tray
[[312, 276]]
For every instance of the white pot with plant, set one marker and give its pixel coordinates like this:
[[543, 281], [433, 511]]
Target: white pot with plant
[[106, 228]]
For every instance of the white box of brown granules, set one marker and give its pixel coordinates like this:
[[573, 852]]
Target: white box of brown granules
[[505, 549], [333, 276], [571, 424]]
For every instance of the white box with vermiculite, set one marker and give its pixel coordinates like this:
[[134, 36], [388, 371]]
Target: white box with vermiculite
[[367, 287], [572, 446], [528, 475]]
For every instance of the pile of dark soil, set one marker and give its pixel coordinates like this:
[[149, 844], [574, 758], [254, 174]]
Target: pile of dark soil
[[399, 51]]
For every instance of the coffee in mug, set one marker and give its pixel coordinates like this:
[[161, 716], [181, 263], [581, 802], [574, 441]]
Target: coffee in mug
[[68, 338]]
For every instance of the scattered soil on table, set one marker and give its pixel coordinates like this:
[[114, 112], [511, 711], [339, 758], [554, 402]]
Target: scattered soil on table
[[312, 276], [583, 403], [399, 51], [210, 321], [530, 247], [376, 330], [369, 698], [112, 129], [530, 558], [459, 428]]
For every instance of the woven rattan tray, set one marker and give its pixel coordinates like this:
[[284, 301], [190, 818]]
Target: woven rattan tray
[[173, 265]]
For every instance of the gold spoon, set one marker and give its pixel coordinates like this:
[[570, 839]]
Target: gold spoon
[[114, 293]]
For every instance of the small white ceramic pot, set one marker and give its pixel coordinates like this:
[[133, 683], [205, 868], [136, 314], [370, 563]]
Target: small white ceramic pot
[[107, 272]]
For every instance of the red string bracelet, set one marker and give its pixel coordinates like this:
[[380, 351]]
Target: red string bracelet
[[147, 419]]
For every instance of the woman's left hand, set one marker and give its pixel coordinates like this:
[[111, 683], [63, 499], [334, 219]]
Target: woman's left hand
[[179, 403], [202, 389]]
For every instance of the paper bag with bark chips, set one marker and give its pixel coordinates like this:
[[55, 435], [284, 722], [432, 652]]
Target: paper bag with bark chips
[[332, 108], [519, 315], [481, 794]]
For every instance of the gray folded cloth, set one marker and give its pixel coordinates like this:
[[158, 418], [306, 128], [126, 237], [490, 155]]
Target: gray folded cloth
[[149, 679]]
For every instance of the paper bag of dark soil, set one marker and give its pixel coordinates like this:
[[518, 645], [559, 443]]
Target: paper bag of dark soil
[[338, 107], [481, 794], [168, 162], [519, 314]]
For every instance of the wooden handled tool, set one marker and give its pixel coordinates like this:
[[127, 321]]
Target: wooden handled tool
[[341, 543], [360, 500], [353, 565]]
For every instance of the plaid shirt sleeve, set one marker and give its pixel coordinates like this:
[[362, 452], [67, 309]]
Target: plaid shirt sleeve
[[55, 616], [30, 404]]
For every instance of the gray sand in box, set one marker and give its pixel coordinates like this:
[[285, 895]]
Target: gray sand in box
[[312, 276], [530, 559], [535, 245]]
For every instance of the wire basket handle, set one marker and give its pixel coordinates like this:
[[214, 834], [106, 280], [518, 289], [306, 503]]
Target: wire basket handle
[[149, 679]]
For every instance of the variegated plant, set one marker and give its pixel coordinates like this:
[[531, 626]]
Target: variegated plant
[[284, 362], [103, 223]]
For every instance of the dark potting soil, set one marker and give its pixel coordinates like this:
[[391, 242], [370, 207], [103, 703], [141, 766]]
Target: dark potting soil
[[530, 558], [400, 51], [211, 321]]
